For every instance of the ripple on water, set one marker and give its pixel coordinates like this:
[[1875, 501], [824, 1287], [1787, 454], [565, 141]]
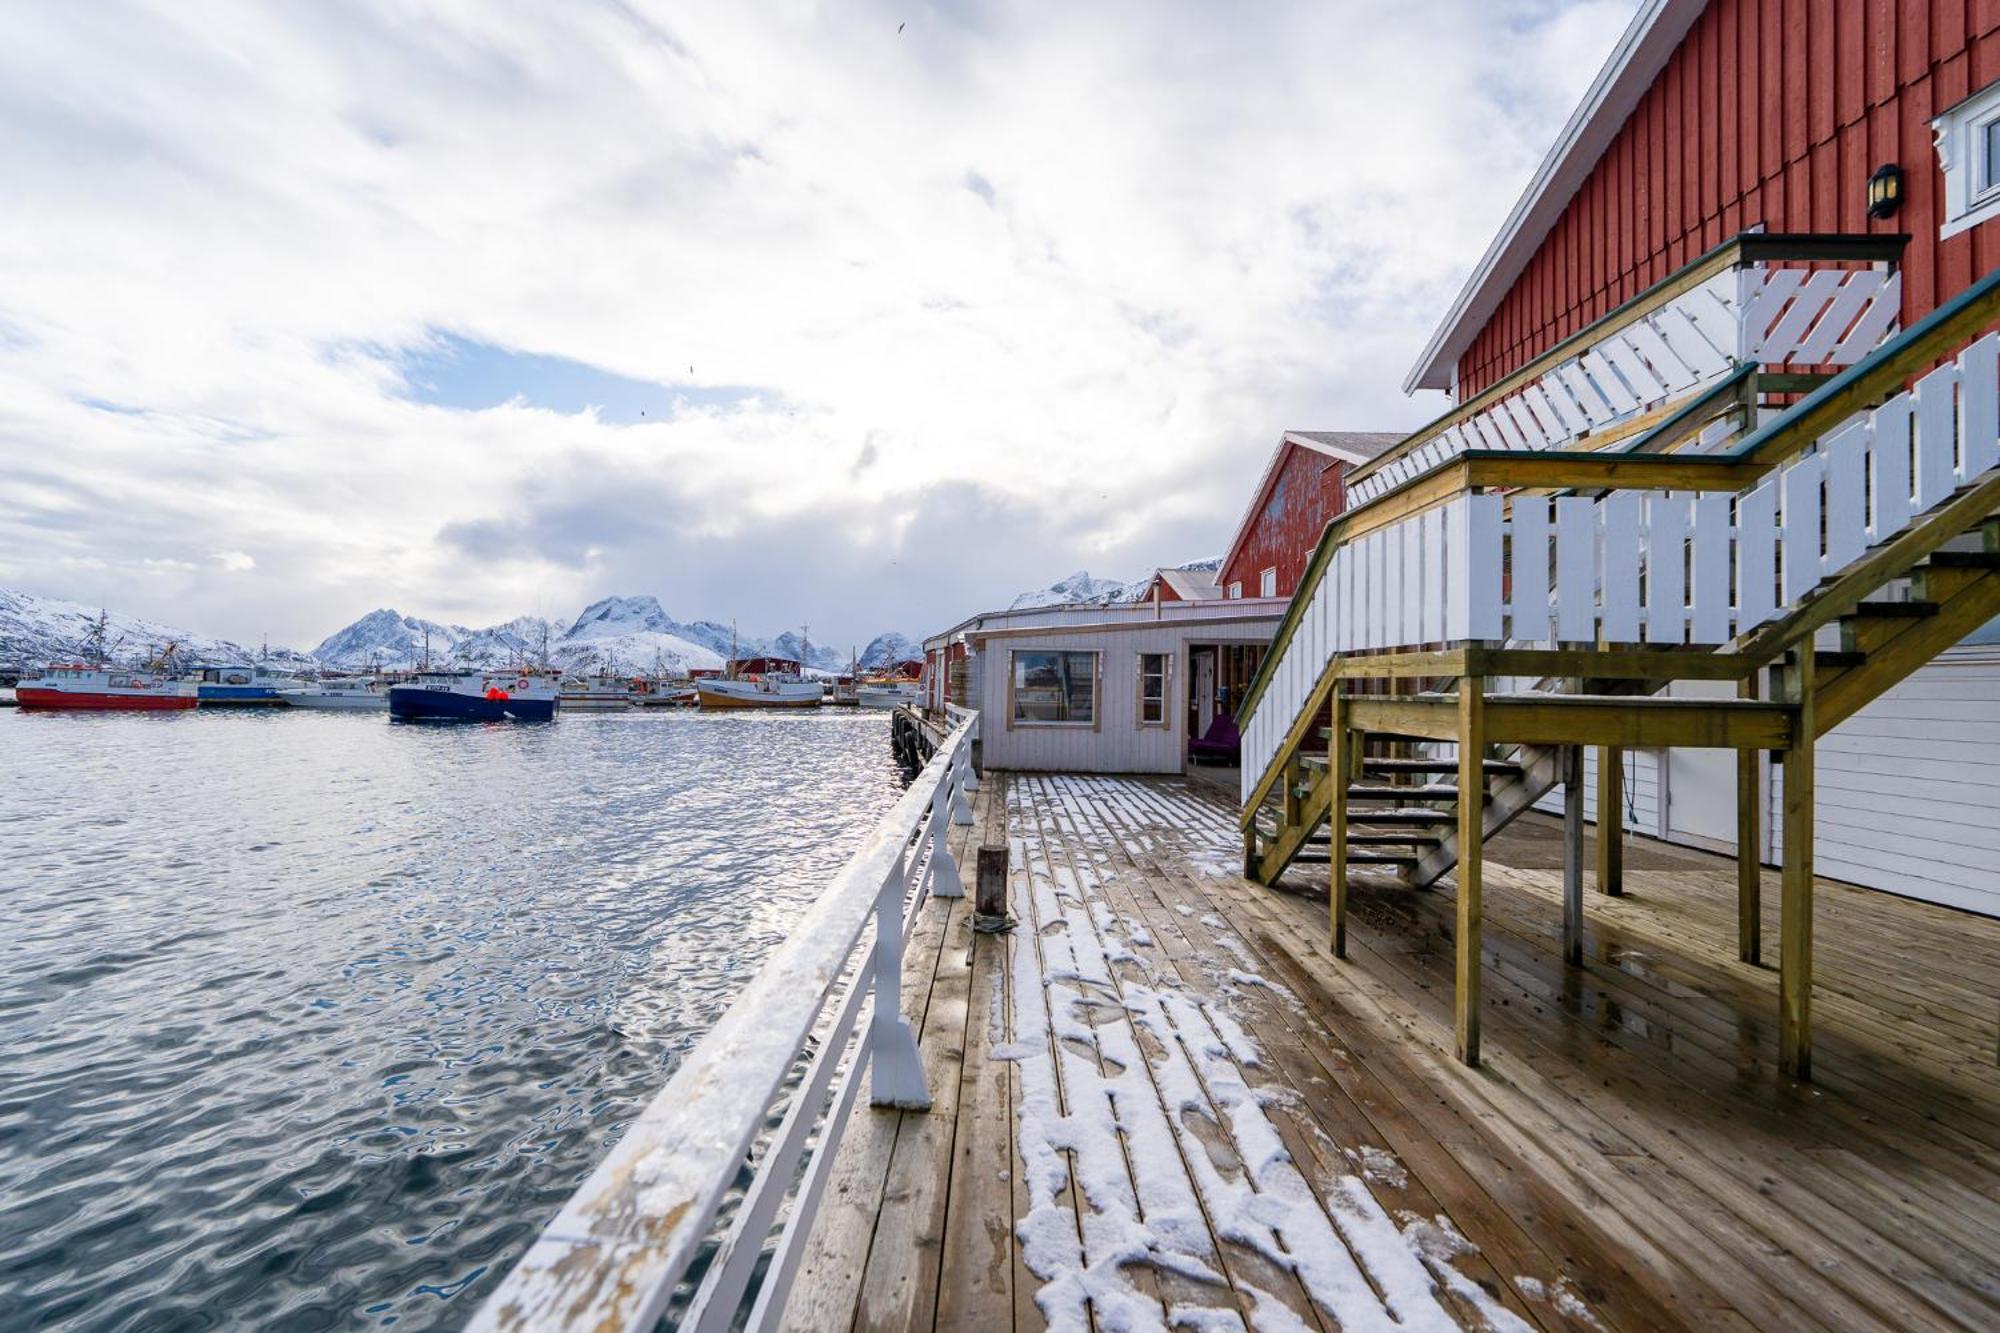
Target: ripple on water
[[311, 1020]]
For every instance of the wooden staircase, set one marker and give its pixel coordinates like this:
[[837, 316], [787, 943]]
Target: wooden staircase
[[1846, 555]]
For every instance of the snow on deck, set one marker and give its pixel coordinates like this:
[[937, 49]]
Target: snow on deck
[[1171, 1182]]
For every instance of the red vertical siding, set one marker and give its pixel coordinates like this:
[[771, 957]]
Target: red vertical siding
[[1771, 111], [1307, 492]]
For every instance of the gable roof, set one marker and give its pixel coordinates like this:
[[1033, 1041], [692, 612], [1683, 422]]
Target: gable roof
[[1345, 446], [1192, 582], [1652, 37]]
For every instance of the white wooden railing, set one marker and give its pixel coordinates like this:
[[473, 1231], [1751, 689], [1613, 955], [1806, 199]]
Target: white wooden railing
[[1637, 566], [1774, 314], [615, 1254]]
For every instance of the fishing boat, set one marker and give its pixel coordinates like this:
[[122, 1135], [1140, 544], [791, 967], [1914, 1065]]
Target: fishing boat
[[474, 696], [888, 694], [760, 682], [243, 683], [100, 687], [597, 693], [356, 695], [657, 693]]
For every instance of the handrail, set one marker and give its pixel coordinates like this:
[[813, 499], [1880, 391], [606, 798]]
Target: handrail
[[1823, 450], [613, 1257], [1877, 377], [1743, 248]]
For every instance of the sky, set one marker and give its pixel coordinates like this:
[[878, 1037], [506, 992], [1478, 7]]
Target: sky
[[863, 315]]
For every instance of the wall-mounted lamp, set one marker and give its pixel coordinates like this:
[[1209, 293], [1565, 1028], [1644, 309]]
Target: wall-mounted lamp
[[1885, 191]]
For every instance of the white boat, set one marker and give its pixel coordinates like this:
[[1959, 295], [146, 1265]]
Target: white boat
[[759, 691], [889, 694], [347, 695], [596, 693]]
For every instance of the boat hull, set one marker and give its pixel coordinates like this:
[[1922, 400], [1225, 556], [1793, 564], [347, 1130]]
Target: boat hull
[[250, 695], [31, 696], [339, 703], [720, 694], [887, 696], [415, 703]]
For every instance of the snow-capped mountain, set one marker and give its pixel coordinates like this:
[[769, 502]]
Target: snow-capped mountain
[[888, 649], [632, 633], [35, 630], [1078, 588], [388, 638]]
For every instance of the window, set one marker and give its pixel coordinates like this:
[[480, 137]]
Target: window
[[1236, 588], [1153, 689], [1968, 149], [1054, 689], [1267, 582]]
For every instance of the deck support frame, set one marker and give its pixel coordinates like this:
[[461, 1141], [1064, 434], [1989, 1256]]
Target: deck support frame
[[1795, 921], [1572, 762], [1611, 820], [1749, 847], [1340, 748], [1471, 837]]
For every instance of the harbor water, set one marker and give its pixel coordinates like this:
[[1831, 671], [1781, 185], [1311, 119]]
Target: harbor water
[[314, 1020]]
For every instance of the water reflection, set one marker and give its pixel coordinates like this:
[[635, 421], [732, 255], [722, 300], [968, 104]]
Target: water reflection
[[308, 1018]]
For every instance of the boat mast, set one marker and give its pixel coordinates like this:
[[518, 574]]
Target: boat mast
[[730, 669]]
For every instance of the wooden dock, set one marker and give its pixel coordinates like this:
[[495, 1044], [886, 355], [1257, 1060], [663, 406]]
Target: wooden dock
[[1160, 1102]]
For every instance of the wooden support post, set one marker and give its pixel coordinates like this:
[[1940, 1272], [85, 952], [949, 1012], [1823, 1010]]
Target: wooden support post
[[1610, 820], [1749, 847], [1294, 804], [989, 893], [1795, 918], [1573, 854], [1339, 760], [1471, 836]]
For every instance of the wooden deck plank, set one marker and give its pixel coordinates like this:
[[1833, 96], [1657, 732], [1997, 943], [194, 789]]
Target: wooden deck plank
[[1628, 1144]]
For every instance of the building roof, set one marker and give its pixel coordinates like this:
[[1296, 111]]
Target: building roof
[[1354, 446], [1346, 446], [1652, 37], [1194, 582]]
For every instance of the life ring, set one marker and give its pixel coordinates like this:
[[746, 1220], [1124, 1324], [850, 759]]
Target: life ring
[[521, 684]]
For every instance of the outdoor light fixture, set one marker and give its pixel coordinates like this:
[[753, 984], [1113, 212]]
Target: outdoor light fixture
[[1885, 190]]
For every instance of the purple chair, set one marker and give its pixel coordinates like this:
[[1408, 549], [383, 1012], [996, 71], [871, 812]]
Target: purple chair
[[1220, 744]]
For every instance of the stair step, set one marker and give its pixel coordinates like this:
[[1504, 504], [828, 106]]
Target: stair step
[[1837, 659], [1417, 815], [1912, 610], [1964, 559], [1498, 767], [1381, 858], [1412, 839], [1362, 791]]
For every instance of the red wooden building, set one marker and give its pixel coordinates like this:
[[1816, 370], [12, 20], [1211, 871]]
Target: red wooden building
[[1718, 117], [1300, 493]]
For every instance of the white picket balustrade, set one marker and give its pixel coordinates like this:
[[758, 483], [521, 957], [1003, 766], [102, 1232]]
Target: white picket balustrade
[[1773, 316], [1633, 567], [614, 1255]]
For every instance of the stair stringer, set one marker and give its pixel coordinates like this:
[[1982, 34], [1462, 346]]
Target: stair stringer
[[1541, 769]]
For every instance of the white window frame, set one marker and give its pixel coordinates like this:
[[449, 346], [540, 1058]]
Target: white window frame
[[1016, 721], [1236, 590], [1267, 582], [1166, 717], [1960, 138]]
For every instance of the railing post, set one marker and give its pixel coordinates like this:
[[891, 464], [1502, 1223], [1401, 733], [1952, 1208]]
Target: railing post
[[945, 882], [961, 767], [895, 1070]]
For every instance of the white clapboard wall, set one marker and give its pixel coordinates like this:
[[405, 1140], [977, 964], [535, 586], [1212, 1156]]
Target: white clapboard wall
[[1908, 790]]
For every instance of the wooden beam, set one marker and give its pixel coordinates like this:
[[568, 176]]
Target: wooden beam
[[1590, 719], [1611, 820], [1749, 848], [1795, 919], [1573, 854], [1471, 836], [1339, 762]]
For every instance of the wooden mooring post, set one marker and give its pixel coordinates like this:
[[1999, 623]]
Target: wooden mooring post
[[989, 892]]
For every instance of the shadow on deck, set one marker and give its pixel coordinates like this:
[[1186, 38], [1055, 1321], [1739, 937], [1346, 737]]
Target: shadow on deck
[[1160, 1100]]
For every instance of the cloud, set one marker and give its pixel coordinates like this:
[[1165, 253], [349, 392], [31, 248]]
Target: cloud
[[380, 293]]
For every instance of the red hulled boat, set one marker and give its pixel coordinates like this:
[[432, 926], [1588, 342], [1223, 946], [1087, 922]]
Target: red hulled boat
[[103, 687]]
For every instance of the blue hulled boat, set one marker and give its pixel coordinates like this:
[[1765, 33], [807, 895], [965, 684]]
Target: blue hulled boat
[[242, 683], [474, 696]]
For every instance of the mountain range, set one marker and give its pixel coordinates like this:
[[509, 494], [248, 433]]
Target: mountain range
[[614, 633]]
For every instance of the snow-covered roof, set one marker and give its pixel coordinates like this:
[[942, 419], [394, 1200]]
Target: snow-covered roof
[[1354, 447], [1193, 582], [1654, 33]]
